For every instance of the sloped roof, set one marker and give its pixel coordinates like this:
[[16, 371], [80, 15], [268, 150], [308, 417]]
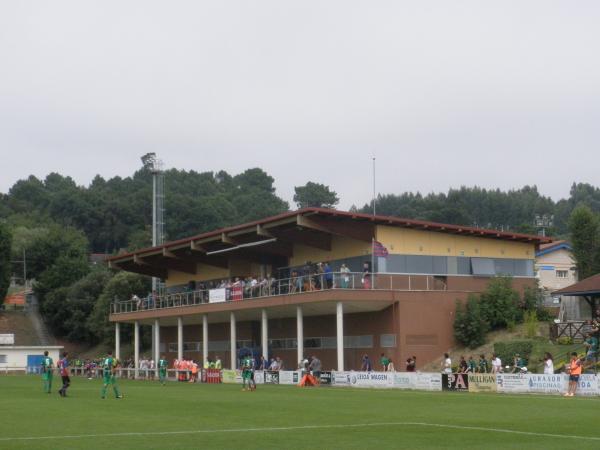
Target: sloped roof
[[350, 217], [553, 246], [589, 286]]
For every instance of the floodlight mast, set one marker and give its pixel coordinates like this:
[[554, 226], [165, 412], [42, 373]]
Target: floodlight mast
[[155, 165]]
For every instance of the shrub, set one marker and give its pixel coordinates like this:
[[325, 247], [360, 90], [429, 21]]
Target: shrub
[[531, 323], [564, 340], [506, 350], [470, 326], [500, 303]]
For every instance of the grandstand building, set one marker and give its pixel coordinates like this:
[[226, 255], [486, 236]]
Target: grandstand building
[[404, 307]]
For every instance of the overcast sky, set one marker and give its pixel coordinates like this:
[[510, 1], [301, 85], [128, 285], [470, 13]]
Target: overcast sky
[[443, 93]]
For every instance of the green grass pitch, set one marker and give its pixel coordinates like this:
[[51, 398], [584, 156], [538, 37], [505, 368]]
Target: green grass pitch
[[185, 416]]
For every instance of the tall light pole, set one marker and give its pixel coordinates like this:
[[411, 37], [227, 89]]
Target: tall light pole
[[155, 166]]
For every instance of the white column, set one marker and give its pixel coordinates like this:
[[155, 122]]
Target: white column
[[264, 329], [205, 337], [340, 336], [156, 342], [233, 349], [136, 347], [117, 340], [299, 333], [179, 338]]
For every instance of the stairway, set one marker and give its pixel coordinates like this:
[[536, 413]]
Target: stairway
[[39, 326]]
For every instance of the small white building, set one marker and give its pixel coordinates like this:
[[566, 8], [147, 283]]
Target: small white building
[[25, 358]]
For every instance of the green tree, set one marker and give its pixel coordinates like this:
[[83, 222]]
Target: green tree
[[315, 195], [120, 287], [470, 327], [500, 303], [584, 228], [5, 265]]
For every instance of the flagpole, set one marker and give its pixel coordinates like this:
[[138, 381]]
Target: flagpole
[[374, 229]]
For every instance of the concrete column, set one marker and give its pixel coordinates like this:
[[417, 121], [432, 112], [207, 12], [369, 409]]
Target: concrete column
[[136, 347], [340, 335], [299, 333], [117, 340], [205, 337], [233, 348], [179, 338], [156, 342], [264, 329]]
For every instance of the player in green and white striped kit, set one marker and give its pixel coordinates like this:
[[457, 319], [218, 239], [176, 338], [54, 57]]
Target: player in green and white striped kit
[[47, 372], [162, 369], [109, 367]]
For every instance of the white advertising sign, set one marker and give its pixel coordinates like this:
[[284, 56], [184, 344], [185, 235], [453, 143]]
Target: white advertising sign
[[546, 384], [217, 295], [587, 385], [511, 383], [259, 377], [372, 379], [7, 339], [340, 378], [289, 377], [405, 380], [428, 381]]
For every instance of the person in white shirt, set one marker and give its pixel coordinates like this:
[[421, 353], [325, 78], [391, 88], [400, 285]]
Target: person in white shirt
[[548, 364], [496, 364], [447, 364]]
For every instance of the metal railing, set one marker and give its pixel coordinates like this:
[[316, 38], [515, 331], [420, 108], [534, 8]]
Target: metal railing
[[300, 284]]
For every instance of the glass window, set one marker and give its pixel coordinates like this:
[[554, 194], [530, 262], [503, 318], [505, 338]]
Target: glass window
[[562, 274], [387, 340], [3, 359]]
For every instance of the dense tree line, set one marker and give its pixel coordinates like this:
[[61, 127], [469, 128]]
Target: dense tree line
[[513, 210], [54, 225]]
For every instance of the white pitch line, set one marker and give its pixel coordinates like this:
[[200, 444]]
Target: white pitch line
[[303, 427]]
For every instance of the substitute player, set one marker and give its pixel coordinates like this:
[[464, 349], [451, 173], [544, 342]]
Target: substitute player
[[47, 372], [63, 366], [162, 369], [109, 368]]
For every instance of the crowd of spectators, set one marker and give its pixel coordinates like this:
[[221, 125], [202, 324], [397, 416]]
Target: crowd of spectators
[[310, 277]]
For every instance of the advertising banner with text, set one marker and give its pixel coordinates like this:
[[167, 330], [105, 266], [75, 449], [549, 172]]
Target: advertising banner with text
[[455, 382], [482, 382]]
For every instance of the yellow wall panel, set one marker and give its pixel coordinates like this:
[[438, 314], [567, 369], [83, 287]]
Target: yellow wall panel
[[341, 247], [422, 242], [205, 272]]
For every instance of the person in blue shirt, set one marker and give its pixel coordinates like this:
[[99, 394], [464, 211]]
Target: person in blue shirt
[[328, 275], [366, 364]]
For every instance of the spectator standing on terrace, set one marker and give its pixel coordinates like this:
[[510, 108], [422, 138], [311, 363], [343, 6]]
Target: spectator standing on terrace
[[575, 368], [471, 365], [548, 364], [411, 364], [483, 366], [315, 367], [496, 364], [218, 363], [391, 367], [384, 361], [366, 364], [518, 363], [462, 365], [591, 344], [328, 275], [366, 276], [263, 363], [345, 275], [274, 366], [447, 364]]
